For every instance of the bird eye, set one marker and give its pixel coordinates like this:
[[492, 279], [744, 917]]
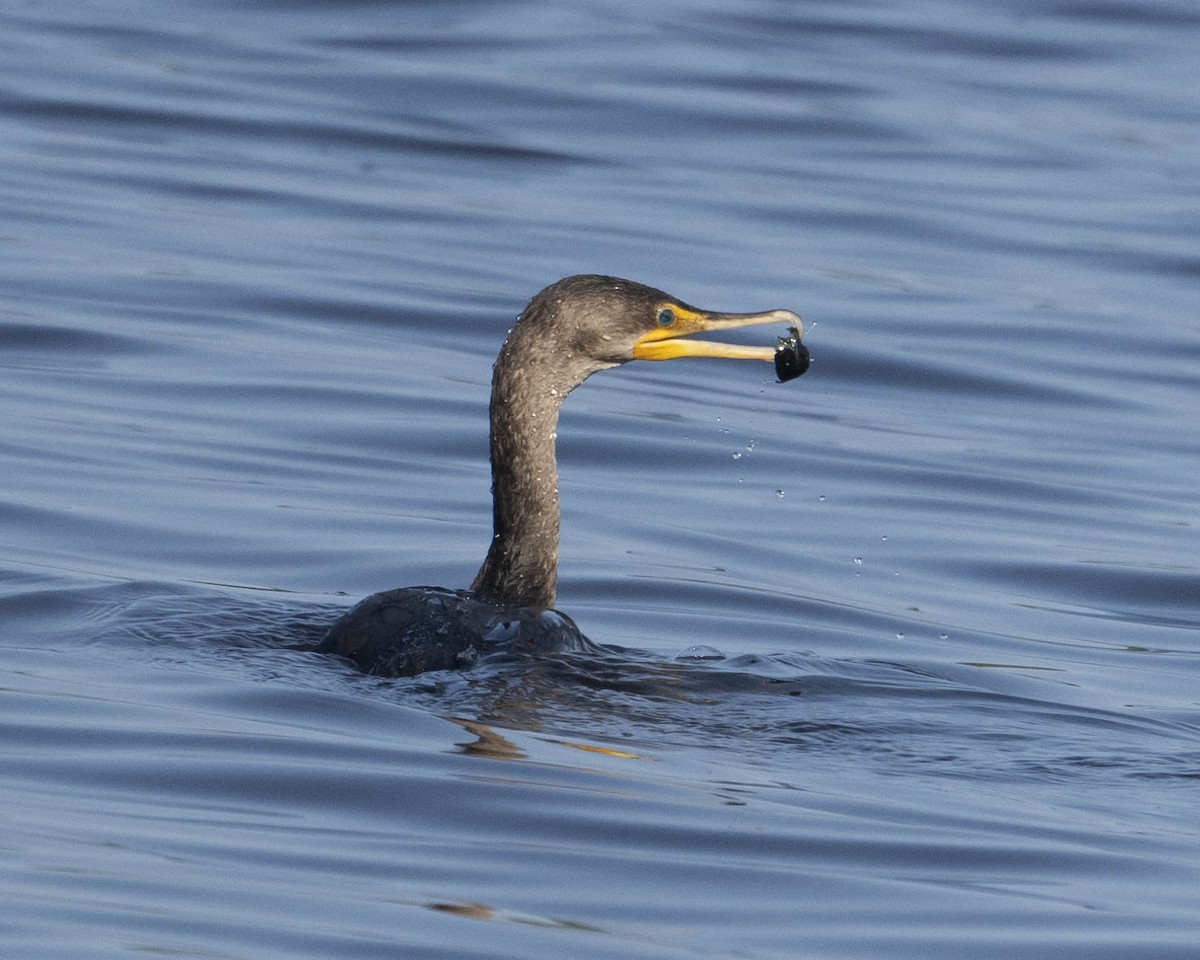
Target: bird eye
[[666, 317]]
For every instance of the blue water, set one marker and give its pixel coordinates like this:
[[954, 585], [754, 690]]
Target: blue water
[[905, 654]]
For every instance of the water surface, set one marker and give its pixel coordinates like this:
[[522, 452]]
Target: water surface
[[903, 657]]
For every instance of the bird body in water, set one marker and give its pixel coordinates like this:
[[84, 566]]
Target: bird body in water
[[568, 331]]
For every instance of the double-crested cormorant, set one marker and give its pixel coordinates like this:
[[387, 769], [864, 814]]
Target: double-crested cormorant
[[566, 333]]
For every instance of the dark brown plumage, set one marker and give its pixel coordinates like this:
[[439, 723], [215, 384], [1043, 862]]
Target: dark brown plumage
[[567, 332]]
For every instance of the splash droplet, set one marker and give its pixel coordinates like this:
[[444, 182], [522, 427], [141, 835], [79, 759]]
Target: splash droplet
[[700, 651]]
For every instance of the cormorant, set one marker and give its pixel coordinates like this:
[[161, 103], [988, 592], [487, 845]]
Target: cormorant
[[568, 331]]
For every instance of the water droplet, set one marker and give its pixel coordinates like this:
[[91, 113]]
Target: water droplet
[[700, 651]]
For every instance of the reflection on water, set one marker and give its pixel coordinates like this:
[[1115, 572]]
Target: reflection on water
[[937, 699]]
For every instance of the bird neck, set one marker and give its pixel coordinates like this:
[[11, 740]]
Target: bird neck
[[522, 562]]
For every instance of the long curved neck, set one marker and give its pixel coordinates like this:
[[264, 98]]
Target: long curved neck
[[522, 561]]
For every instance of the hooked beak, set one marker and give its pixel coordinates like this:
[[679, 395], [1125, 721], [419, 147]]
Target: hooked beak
[[666, 342]]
